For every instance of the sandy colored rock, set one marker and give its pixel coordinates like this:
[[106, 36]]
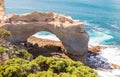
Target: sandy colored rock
[[69, 31], [96, 49], [2, 10], [4, 57], [46, 44], [43, 42], [48, 47]]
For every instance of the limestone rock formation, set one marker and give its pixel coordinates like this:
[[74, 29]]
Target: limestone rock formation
[[69, 31], [2, 10]]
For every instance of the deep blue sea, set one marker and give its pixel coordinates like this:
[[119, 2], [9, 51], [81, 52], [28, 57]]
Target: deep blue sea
[[101, 17]]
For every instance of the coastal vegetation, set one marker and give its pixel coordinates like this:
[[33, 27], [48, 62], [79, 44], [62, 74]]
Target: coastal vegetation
[[4, 32], [20, 63], [3, 50], [45, 67]]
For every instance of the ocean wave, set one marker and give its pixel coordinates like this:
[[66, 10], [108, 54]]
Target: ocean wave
[[97, 37], [97, 34], [116, 26], [112, 54], [47, 36]]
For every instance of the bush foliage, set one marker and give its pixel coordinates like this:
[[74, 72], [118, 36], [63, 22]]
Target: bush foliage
[[45, 67], [3, 50], [4, 32]]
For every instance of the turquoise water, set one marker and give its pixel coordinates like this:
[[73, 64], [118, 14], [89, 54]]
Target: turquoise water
[[101, 17]]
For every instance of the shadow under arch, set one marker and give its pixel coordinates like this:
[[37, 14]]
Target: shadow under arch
[[45, 43]]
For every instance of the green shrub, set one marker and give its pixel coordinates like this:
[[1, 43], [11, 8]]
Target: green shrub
[[64, 67], [24, 54], [44, 74], [18, 61], [14, 68], [4, 32], [12, 71], [45, 67], [31, 68], [3, 50]]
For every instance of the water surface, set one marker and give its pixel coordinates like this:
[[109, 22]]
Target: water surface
[[101, 17]]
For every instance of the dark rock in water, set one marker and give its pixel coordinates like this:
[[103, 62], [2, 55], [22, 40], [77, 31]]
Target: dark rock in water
[[96, 61]]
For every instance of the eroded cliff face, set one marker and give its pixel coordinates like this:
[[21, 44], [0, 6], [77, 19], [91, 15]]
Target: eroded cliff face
[[69, 31], [2, 10]]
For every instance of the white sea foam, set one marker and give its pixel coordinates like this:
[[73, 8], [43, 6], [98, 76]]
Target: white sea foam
[[112, 54], [112, 73], [99, 37], [97, 34], [86, 23], [50, 37], [115, 26]]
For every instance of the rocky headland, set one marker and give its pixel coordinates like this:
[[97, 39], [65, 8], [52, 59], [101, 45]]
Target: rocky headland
[[73, 42], [73, 38]]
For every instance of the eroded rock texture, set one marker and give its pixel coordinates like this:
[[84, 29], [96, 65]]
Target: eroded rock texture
[[2, 10], [69, 31]]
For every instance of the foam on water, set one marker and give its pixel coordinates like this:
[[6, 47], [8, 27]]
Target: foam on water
[[116, 26], [113, 73], [97, 36], [46, 36], [112, 54]]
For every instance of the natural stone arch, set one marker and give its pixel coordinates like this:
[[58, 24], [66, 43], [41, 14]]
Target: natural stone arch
[[70, 32]]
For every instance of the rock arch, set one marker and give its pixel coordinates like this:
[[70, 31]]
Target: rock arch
[[69, 31]]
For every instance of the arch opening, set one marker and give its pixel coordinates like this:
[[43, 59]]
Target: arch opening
[[45, 43], [46, 35]]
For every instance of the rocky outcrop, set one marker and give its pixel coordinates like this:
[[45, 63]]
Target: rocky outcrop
[[69, 31], [2, 10], [4, 57]]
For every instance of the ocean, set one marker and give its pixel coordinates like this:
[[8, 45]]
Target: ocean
[[101, 19]]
